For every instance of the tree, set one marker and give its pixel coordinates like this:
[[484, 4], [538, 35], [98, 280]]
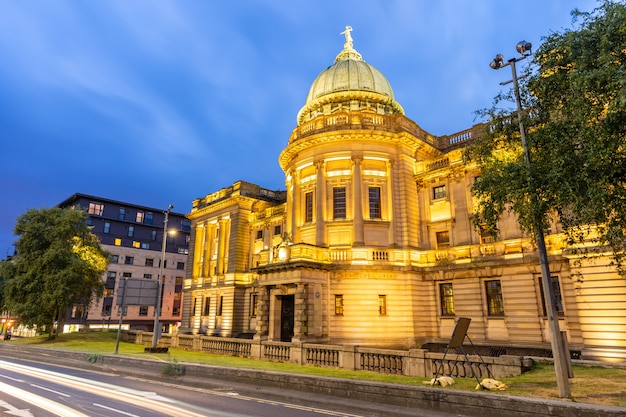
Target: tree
[[575, 96], [58, 263]]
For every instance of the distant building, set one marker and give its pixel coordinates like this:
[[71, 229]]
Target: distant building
[[133, 236], [372, 244]]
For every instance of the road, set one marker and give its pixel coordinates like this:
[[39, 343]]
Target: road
[[41, 390]]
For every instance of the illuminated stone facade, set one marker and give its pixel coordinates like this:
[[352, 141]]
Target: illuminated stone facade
[[371, 244]]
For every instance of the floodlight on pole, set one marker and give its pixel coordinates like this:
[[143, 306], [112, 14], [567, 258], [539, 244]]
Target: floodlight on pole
[[557, 343], [157, 308]]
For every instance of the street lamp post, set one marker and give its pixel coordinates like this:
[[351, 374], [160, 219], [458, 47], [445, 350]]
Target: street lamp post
[[524, 48], [157, 307]]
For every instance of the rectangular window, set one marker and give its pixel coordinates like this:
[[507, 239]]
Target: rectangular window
[[443, 239], [127, 275], [277, 230], [106, 310], [145, 245], [339, 203], [136, 244], [253, 304], [308, 207], [439, 192], [148, 219], [118, 241], [115, 259], [259, 234], [447, 299], [185, 225], [220, 305], [193, 311], [153, 235], [147, 276], [180, 265], [96, 209], [122, 214], [129, 260], [207, 306], [493, 291], [338, 305], [143, 310], [140, 216], [131, 231], [382, 305], [374, 198], [149, 262], [557, 300], [107, 227]]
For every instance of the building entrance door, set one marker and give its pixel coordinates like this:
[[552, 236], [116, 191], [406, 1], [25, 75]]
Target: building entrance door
[[286, 318]]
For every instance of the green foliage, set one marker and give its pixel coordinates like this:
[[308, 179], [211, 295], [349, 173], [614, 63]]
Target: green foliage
[[576, 135], [94, 357], [58, 263], [174, 369]]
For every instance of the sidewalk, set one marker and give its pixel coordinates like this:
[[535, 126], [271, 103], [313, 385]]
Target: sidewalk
[[391, 397]]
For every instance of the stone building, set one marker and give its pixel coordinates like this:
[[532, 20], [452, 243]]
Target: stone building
[[371, 244], [133, 236]]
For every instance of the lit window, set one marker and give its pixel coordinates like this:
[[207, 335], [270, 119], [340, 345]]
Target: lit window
[[96, 209], [308, 207], [374, 198], [140, 217], [338, 305], [118, 241], [557, 300], [443, 239], [107, 227], [136, 244], [446, 298], [339, 203], [439, 192], [382, 305], [493, 291]]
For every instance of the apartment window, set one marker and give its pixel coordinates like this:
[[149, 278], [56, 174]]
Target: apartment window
[[79, 312], [118, 241], [220, 305], [149, 262], [131, 231], [147, 276], [180, 265], [308, 207], [136, 244], [339, 203], [374, 198], [493, 291], [207, 306], [107, 227], [143, 310], [557, 301], [443, 239], [338, 305], [129, 260], [259, 234], [447, 299], [96, 209], [140, 217], [185, 225], [149, 217], [121, 215], [89, 222], [106, 310], [153, 235], [277, 230], [145, 245], [114, 259], [254, 298], [123, 312], [382, 305], [127, 275], [439, 192]]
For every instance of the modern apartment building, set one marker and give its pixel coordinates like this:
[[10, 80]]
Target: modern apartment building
[[133, 236]]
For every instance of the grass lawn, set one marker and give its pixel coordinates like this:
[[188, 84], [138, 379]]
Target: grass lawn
[[591, 384]]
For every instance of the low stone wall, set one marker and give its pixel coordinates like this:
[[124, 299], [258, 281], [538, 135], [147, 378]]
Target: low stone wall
[[414, 362]]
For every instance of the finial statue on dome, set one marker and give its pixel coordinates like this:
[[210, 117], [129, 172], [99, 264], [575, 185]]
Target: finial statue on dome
[[346, 32]]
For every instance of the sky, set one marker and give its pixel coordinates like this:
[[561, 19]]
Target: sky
[[158, 102]]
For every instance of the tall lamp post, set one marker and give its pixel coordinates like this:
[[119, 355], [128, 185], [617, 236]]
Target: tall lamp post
[[558, 350], [157, 307]]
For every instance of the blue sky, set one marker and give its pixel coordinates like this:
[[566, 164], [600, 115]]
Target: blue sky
[[164, 101]]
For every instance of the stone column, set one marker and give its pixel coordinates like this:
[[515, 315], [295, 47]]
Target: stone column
[[296, 208], [390, 204], [220, 246], [320, 224], [357, 202]]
